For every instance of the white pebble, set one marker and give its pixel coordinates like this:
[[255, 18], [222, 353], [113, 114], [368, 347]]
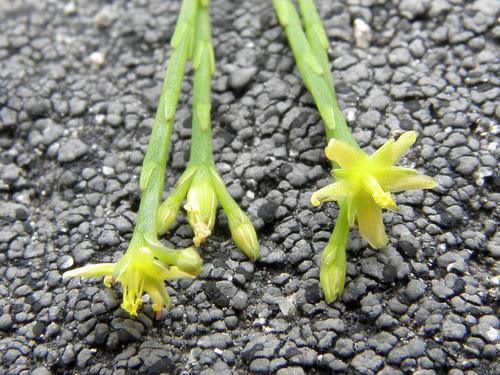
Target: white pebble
[[70, 8], [362, 33], [97, 58], [107, 171]]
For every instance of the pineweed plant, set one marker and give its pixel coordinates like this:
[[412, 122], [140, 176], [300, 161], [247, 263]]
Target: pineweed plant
[[147, 263], [363, 183]]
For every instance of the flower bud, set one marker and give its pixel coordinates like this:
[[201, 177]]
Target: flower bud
[[167, 213], [332, 273], [201, 205], [244, 235], [332, 278], [189, 261]]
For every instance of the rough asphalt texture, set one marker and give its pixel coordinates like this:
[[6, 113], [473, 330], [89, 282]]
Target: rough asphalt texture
[[79, 83]]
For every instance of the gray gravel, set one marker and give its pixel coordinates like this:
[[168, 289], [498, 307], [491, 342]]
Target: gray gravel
[[79, 83]]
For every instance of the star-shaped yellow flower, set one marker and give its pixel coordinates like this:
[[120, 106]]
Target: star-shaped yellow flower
[[365, 183], [139, 272]]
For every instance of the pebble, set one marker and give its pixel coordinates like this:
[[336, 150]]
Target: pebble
[[414, 8], [74, 128], [453, 330], [72, 150], [415, 289], [241, 78], [344, 348], [6, 322], [292, 370]]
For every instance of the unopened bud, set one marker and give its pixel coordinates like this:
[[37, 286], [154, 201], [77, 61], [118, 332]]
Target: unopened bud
[[332, 273], [244, 235], [167, 213], [188, 260]]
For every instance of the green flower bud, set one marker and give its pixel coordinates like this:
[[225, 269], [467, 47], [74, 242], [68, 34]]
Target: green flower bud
[[189, 261], [333, 267], [244, 235], [167, 213]]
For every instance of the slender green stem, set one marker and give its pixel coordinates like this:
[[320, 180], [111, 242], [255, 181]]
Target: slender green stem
[[311, 71], [154, 165], [316, 36], [310, 52], [318, 40], [201, 138], [338, 240]]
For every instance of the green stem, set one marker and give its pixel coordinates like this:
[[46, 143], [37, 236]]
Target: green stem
[[154, 165], [318, 40], [203, 64], [316, 36], [310, 54], [338, 240]]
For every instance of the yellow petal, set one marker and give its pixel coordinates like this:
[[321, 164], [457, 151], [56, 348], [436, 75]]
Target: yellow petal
[[175, 272], [158, 294], [332, 192], [391, 151], [395, 170], [132, 280], [408, 182], [91, 270], [371, 225], [344, 154], [154, 269], [352, 209]]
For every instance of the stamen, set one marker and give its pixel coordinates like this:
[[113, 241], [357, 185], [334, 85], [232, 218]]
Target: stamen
[[384, 200]]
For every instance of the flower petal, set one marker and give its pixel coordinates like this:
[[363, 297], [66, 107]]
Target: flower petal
[[153, 269], [91, 270], [158, 293], [371, 225], [391, 151], [408, 182], [344, 154], [395, 171], [332, 192], [175, 272], [352, 209]]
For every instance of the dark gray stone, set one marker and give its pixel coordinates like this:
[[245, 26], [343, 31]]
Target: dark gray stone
[[72, 150], [344, 348], [240, 78], [415, 289]]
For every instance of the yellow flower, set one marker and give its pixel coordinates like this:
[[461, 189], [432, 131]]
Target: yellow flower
[[139, 272], [365, 183]]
